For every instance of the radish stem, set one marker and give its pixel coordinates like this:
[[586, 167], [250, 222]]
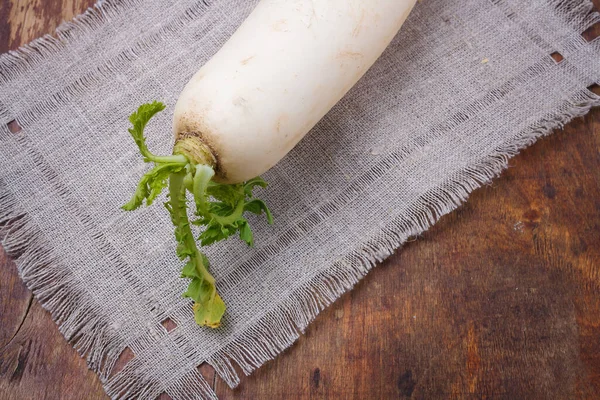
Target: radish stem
[[219, 208], [174, 159], [202, 177]]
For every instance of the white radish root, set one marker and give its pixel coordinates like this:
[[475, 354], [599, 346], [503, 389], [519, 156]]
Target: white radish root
[[285, 67]]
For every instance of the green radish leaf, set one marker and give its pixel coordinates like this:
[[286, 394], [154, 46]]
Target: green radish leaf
[[189, 271], [210, 312], [220, 212], [246, 233], [141, 193], [205, 261], [139, 119], [252, 183], [183, 251], [225, 213], [211, 234], [215, 232], [154, 181], [159, 180], [258, 206], [228, 194], [151, 185], [196, 290], [221, 209]]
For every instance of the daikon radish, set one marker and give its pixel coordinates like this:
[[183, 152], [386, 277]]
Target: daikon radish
[[285, 67]]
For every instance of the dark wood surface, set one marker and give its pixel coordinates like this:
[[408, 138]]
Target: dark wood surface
[[501, 299]]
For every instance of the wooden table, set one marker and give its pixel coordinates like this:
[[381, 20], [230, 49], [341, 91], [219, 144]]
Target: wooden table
[[500, 299]]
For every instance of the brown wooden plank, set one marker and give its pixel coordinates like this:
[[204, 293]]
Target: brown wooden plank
[[499, 299], [15, 301], [37, 362], [21, 21]]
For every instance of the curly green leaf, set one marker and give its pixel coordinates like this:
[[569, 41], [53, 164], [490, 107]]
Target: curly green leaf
[[219, 207]]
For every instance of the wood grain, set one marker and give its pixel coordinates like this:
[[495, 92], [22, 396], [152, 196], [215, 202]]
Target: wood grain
[[497, 300]]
